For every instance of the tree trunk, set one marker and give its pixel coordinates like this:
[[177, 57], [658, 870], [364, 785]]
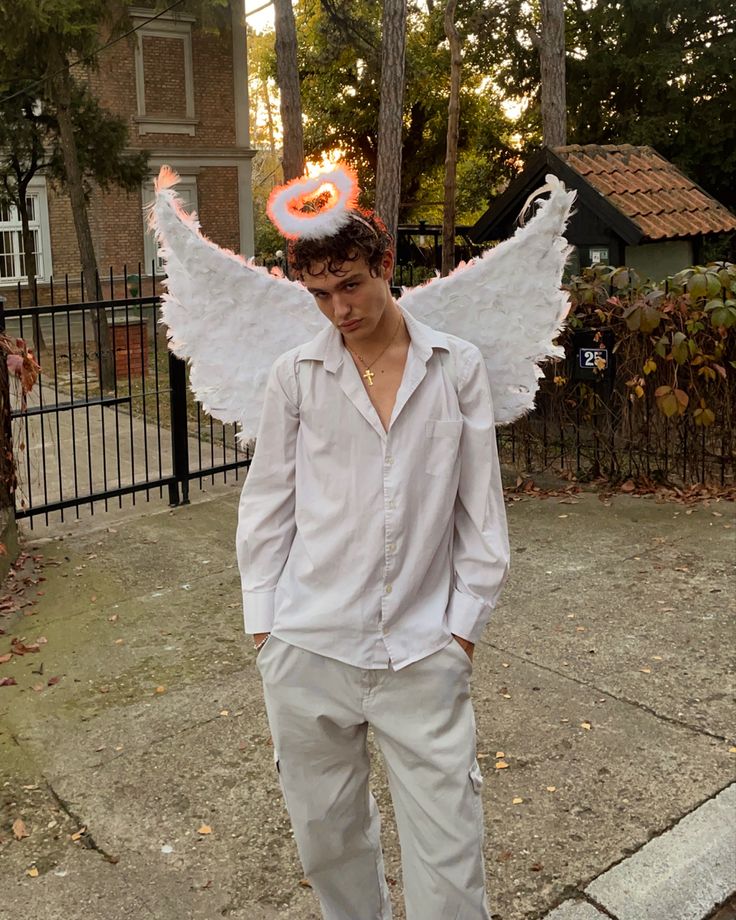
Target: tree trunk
[[390, 114], [29, 256], [269, 116], [551, 46], [287, 73], [61, 91], [453, 128], [8, 478]]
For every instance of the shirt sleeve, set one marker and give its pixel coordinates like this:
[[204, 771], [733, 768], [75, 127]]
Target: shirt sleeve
[[266, 523], [481, 545]]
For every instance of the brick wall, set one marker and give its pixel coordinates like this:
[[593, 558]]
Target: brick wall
[[218, 205], [118, 223], [64, 249], [214, 99], [163, 67], [116, 217]]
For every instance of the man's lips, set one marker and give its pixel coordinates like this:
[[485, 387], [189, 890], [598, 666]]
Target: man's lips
[[353, 324]]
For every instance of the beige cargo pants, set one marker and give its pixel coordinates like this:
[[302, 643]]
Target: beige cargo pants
[[319, 710]]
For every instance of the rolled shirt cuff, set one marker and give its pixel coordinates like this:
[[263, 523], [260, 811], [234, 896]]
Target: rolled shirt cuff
[[467, 615], [258, 609]]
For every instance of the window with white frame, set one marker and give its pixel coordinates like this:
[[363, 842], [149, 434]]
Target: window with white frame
[[12, 254], [186, 189]]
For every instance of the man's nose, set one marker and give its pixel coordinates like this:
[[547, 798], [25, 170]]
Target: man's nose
[[341, 306]]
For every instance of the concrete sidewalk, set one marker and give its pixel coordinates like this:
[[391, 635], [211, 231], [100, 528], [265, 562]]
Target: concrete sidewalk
[[144, 776]]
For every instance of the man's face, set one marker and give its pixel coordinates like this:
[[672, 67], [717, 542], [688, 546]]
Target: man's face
[[353, 300]]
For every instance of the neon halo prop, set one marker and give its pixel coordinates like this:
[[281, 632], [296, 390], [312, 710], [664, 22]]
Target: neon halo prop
[[287, 202]]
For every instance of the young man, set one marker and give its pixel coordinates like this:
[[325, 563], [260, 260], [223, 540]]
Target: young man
[[373, 545]]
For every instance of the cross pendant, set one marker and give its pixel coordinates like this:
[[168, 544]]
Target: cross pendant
[[369, 375]]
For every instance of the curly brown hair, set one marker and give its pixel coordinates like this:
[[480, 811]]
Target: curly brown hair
[[364, 236]]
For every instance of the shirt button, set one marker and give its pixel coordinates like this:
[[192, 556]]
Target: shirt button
[[388, 589], [390, 503], [389, 461], [391, 547]]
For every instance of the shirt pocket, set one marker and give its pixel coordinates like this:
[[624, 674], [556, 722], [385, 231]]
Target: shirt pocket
[[442, 437]]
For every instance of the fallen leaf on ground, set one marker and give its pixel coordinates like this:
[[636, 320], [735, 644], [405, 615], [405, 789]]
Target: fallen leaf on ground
[[517, 800], [501, 765], [19, 829], [551, 788], [585, 725], [205, 829], [18, 647], [305, 883], [33, 872], [8, 682]]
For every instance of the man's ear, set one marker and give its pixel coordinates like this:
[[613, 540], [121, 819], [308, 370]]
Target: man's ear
[[387, 265]]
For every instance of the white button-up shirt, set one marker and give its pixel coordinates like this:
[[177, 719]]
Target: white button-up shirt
[[366, 545]]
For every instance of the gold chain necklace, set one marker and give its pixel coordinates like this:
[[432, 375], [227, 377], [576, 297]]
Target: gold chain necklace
[[368, 373]]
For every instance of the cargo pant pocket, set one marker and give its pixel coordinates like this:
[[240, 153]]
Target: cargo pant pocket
[[476, 785]]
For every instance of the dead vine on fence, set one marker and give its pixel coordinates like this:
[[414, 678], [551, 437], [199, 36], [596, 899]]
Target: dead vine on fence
[[670, 411]]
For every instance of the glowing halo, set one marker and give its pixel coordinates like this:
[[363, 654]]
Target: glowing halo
[[286, 204]]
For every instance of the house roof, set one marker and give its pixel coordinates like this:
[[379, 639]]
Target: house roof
[[649, 190], [639, 193]]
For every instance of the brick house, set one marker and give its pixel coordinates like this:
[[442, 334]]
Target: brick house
[[183, 92]]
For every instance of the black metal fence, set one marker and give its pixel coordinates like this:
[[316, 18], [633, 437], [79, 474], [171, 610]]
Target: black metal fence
[[595, 430], [111, 414]]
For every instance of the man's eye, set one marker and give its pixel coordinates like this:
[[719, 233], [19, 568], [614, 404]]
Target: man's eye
[[351, 284]]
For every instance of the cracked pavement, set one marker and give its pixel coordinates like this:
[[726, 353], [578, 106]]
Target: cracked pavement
[[618, 618]]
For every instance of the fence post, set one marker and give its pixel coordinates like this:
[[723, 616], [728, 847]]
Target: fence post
[[179, 432], [8, 526]]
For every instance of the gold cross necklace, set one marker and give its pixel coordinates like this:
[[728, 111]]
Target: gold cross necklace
[[368, 373]]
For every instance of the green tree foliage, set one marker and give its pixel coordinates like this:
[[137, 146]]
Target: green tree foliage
[[657, 72], [340, 66]]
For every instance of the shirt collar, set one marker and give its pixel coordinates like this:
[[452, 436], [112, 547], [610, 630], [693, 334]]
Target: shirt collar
[[327, 346]]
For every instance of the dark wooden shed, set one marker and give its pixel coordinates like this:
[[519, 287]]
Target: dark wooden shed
[[633, 208]]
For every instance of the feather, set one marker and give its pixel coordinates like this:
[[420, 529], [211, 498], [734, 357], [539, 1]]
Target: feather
[[227, 317], [509, 303]]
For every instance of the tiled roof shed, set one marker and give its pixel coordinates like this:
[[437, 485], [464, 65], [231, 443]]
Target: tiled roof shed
[[649, 190], [636, 193]]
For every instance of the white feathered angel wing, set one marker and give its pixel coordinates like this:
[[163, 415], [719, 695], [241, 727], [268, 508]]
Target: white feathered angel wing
[[229, 318], [508, 303]]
